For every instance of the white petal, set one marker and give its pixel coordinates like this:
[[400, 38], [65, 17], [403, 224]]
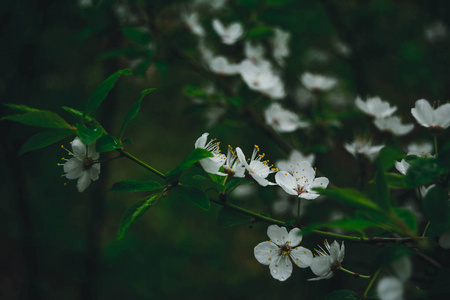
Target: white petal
[[442, 115], [277, 235], [94, 171], [390, 288], [91, 152], [321, 182], [286, 182], [304, 172], [241, 157], [262, 181], [73, 168], [321, 265], [265, 252], [341, 253], [84, 181], [294, 237], [302, 257], [402, 166], [281, 268], [402, 268], [78, 149], [334, 251], [201, 141], [308, 196], [423, 112]]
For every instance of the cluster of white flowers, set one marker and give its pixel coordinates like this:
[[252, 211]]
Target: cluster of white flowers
[[282, 251]]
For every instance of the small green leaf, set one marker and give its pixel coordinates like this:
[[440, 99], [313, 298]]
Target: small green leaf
[[107, 143], [407, 217], [351, 197], [214, 185], [230, 218], [387, 158], [127, 186], [103, 90], [134, 212], [46, 138], [78, 114], [423, 171], [191, 194], [195, 156], [87, 135], [342, 295], [234, 183], [37, 117], [134, 110], [436, 209], [396, 180]]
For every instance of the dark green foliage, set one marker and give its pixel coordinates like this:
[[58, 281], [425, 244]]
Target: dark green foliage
[[44, 139]]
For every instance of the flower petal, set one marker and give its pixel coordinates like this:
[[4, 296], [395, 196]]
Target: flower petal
[[277, 235], [302, 257], [94, 171], [241, 157], [78, 148], [260, 180], [281, 268], [304, 172], [91, 152], [73, 168], [390, 288], [423, 113], [286, 182], [294, 237], [309, 196], [321, 182], [201, 141], [83, 182], [441, 115], [321, 265], [265, 252]]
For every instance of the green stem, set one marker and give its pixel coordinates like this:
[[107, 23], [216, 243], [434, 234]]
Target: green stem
[[374, 277], [141, 163], [426, 228], [353, 273], [435, 146]]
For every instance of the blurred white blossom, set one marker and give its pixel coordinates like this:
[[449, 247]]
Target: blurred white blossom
[[317, 83], [282, 120], [230, 34], [393, 125], [375, 107]]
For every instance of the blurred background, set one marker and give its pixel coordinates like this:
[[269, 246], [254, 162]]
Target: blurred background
[[57, 243]]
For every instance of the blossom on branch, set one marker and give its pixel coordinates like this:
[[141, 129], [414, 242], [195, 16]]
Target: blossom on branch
[[375, 107], [83, 165], [429, 117], [256, 168], [393, 125], [282, 251], [230, 34], [327, 260], [211, 164], [317, 83], [282, 120]]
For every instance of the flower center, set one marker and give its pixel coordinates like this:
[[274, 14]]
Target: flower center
[[87, 163], [285, 250]]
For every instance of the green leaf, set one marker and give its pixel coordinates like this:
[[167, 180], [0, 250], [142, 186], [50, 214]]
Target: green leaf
[[352, 224], [103, 90], [213, 185], [436, 209], [134, 212], [351, 197], [423, 171], [380, 194], [234, 183], [191, 194], [44, 139], [134, 110], [87, 135], [407, 217], [78, 114], [387, 157], [37, 117], [195, 156], [127, 186], [396, 180], [342, 295], [137, 35], [260, 32], [107, 143], [230, 218]]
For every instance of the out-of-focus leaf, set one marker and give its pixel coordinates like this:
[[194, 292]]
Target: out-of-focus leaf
[[342, 295], [107, 143], [46, 138], [195, 156], [191, 194], [350, 197], [134, 110], [423, 170], [234, 183], [87, 135], [127, 186], [380, 194], [134, 212], [355, 223], [218, 187], [37, 117], [103, 90], [260, 32], [396, 180], [230, 218], [407, 217], [137, 35], [78, 114], [436, 209], [387, 158]]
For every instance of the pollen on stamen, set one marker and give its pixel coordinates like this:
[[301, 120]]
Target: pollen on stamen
[[276, 265]]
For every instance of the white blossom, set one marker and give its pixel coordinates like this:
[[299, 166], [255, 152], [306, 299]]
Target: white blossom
[[233, 165], [363, 147], [282, 251], [375, 107], [393, 125], [322, 265], [260, 77], [230, 34], [317, 83], [302, 181], [83, 165], [291, 162], [222, 66], [280, 45], [427, 116], [390, 288], [192, 22], [282, 120], [257, 169], [211, 164], [255, 53], [436, 32]]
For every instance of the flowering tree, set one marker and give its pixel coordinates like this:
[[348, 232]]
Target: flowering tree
[[255, 68]]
